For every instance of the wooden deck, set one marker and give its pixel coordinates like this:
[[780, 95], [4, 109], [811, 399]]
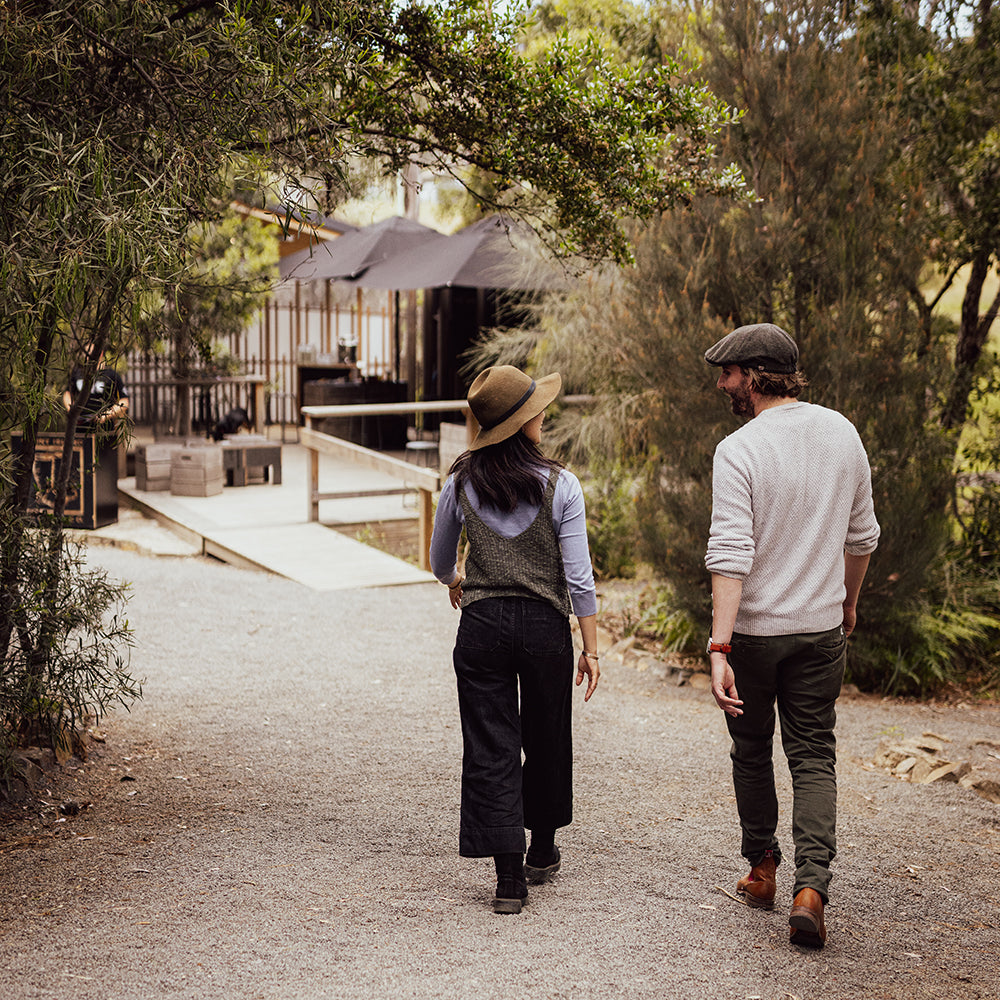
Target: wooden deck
[[267, 527]]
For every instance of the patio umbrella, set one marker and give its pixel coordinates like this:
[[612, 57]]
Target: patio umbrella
[[482, 255], [351, 254]]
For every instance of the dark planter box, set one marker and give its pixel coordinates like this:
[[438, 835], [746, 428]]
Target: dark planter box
[[92, 497]]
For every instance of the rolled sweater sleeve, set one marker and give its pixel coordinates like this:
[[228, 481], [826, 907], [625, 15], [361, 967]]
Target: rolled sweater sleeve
[[863, 531], [731, 543]]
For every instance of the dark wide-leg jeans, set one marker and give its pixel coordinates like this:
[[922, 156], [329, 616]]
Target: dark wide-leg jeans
[[505, 644], [802, 674]]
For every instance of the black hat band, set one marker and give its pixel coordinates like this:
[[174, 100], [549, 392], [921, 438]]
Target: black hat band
[[509, 413]]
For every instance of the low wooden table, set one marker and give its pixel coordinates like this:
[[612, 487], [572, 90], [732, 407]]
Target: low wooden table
[[241, 454]]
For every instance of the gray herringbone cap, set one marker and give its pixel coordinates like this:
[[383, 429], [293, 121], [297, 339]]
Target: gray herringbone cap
[[763, 346]]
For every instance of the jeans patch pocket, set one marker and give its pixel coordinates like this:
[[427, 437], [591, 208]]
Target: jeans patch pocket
[[479, 626], [545, 629]]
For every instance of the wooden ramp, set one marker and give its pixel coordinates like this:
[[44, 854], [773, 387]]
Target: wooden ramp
[[266, 527]]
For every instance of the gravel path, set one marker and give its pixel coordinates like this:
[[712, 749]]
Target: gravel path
[[277, 818]]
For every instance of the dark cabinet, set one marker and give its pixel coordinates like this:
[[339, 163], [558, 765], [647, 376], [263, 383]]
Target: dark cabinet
[[382, 432], [92, 496]]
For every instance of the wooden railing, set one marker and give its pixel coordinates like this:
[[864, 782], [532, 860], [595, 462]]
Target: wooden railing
[[425, 481]]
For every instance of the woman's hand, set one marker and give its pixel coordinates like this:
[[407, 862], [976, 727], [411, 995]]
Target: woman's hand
[[455, 592], [590, 668]]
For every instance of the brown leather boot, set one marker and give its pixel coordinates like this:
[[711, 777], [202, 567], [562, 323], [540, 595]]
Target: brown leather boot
[[758, 888], [806, 927]]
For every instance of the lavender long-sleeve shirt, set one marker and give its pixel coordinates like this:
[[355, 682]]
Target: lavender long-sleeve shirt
[[569, 518]]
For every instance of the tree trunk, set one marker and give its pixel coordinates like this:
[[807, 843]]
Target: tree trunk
[[972, 334], [14, 526]]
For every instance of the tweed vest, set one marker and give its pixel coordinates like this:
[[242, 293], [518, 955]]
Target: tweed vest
[[528, 565]]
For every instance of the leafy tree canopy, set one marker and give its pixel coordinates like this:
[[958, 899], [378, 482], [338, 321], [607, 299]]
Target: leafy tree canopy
[[938, 68], [637, 32], [160, 98], [124, 126], [833, 250]]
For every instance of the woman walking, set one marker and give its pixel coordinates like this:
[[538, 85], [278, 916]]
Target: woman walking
[[527, 567]]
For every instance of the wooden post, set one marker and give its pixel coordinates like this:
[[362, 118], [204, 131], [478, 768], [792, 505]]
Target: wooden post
[[297, 322], [387, 366], [426, 508], [359, 348], [327, 296], [264, 340], [313, 484], [412, 335], [258, 408]]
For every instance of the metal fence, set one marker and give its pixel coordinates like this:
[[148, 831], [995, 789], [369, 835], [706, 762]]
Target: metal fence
[[359, 330]]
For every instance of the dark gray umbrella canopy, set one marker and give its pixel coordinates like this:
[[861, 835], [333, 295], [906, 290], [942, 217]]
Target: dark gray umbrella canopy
[[351, 254], [483, 255]]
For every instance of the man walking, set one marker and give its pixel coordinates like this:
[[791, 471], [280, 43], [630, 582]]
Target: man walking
[[793, 528]]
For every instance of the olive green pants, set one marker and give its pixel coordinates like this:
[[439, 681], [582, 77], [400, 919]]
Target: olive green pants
[[801, 675]]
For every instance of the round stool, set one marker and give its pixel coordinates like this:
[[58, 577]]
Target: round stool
[[422, 451]]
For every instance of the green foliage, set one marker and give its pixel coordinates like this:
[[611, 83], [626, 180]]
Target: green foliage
[[829, 251], [962, 626], [637, 33], [66, 660], [977, 500], [927, 649], [125, 127], [230, 265], [674, 631], [230, 268], [941, 77], [611, 522]]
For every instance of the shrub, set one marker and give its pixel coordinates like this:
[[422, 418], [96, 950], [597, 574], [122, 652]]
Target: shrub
[[67, 656]]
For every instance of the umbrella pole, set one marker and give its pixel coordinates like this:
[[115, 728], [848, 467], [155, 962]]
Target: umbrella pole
[[411, 344], [359, 353], [394, 305], [327, 301]]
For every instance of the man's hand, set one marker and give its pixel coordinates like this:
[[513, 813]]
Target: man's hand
[[850, 619], [724, 685], [855, 568]]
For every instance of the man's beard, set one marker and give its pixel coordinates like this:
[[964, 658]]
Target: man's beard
[[741, 403]]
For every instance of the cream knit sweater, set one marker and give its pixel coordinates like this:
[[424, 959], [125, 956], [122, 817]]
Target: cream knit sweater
[[791, 492]]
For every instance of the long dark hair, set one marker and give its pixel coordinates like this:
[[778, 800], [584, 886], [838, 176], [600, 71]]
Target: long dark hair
[[505, 473]]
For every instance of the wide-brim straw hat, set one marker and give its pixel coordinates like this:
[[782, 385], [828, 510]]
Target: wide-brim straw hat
[[503, 399]]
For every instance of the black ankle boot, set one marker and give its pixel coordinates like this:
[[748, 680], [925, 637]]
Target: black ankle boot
[[540, 866], [543, 856], [512, 890]]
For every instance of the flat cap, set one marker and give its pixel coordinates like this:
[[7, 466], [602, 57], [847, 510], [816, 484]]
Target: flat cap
[[763, 346]]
